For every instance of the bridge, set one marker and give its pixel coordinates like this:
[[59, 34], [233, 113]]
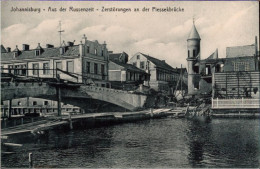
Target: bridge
[[77, 94]]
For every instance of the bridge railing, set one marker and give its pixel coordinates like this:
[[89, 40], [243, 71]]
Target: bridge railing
[[42, 73], [235, 103]]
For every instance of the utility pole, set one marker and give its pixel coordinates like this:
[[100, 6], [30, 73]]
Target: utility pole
[[60, 31]]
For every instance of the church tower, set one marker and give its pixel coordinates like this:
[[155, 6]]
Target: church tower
[[193, 47]]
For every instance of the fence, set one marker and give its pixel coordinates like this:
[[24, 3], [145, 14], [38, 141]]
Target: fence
[[235, 103]]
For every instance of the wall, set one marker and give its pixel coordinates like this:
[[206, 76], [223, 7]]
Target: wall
[[240, 51], [229, 63], [237, 84]]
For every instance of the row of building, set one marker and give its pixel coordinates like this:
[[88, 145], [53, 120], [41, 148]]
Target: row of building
[[89, 62]]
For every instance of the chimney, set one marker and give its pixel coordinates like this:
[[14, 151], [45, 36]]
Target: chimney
[[62, 50], [105, 44], [70, 43], [49, 46], [26, 47], [85, 38], [81, 49], [8, 49]]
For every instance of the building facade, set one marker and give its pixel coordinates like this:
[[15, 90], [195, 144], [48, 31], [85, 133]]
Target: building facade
[[207, 76], [162, 76], [123, 75], [86, 63]]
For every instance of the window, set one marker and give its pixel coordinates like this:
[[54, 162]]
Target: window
[[10, 69], [208, 70], [34, 103], [87, 49], [188, 53], [196, 69], [16, 70], [46, 68], [134, 63], [95, 68], [35, 68], [37, 52], [103, 69], [15, 54], [19, 103], [88, 67], [46, 103], [70, 66], [138, 56], [58, 66], [23, 71], [102, 53], [142, 65], [241, 66], [194, 53], [95, 51]]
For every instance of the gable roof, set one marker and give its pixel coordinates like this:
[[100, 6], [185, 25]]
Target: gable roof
[[213, 55], [46, 53], [128, 66], [3, 50], [159, 63]]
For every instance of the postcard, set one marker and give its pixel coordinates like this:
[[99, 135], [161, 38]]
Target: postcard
[[130, 84]]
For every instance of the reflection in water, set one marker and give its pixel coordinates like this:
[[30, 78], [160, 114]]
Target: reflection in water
[[157, 143], [199, 135]]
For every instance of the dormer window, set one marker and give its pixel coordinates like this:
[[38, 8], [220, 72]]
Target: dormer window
[[102, 53], [37, 53], [138, 56], [38, 50], [15, 54], [87, 49]]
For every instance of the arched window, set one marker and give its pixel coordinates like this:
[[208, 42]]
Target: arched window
[[95, 51]]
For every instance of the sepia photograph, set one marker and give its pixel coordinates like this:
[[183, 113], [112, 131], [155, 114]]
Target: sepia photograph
[[130, 84]]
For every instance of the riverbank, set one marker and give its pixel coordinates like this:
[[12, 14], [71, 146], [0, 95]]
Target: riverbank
[[82, 120]]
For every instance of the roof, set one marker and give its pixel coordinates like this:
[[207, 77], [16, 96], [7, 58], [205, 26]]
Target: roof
[[194, 33], [213, 55], [179, 70], [3, 50], [159, 63], [114, 56], [129, 66], [46, 53]]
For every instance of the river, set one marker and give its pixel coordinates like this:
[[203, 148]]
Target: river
[[167, 142]]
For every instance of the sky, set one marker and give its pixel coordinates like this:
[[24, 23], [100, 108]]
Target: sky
[[162, 35]]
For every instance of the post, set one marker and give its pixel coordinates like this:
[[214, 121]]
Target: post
[[10, 108], [30, 160], [58, 91], [151, 111], [70, 121], [212, 103], [217, 102]]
